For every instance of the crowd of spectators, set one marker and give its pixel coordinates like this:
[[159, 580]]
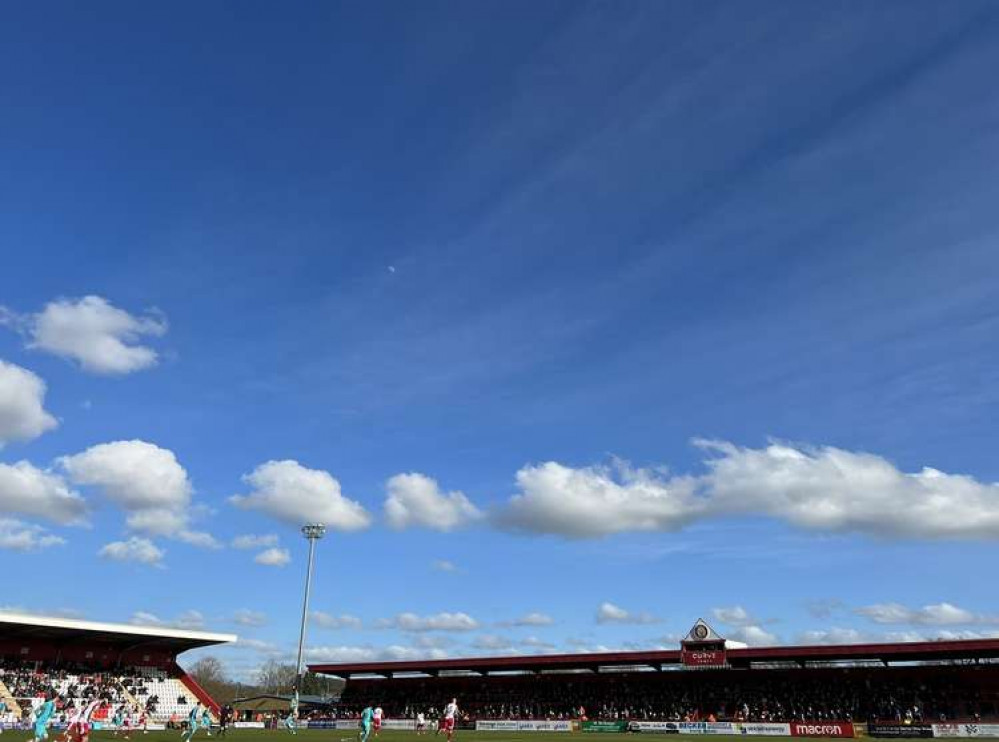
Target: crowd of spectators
[[76, 683], [840, 694], [25, 680]]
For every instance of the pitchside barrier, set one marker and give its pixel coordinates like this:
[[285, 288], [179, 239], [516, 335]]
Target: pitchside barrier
[[728, 728], [966, 730], [924, 730], [702, 728], [522, 725]]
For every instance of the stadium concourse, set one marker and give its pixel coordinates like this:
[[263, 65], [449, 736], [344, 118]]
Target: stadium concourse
[[117, 665], [917, 689]]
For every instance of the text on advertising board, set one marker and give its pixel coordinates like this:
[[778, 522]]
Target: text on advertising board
[[827, 729], [703, 657], [907, 731]]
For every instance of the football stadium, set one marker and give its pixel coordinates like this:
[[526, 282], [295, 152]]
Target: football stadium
[[499, 370], [111, 680]]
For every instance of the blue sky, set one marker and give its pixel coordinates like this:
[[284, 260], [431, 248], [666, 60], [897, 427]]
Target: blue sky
[[682, 308]]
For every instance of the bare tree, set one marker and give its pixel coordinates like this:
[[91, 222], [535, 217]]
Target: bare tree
[[208, 670], [276, 677], [210, 674]]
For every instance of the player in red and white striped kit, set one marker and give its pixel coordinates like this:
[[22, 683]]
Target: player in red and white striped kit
[[79, 726], [450, 716]]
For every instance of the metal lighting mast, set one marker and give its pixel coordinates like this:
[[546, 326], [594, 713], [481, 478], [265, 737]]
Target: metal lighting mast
[[313, 532]]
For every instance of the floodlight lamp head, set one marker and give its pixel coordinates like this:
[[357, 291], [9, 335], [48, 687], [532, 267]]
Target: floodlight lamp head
[[314, 531]]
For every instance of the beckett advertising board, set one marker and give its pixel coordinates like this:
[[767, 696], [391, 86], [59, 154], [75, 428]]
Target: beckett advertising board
[[900, 731], [495, 725], [822, 729], [522, 725], [761, 729], [603, 727]]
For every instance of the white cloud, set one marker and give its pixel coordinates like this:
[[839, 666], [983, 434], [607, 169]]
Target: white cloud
[[939, 614], [273, 557], [610, 613], [329, 621], [824, 608], [100, 337], [340, 654], [190, 619], [734, 615], [140, 550], [948, 635], [597, 501], [246, 617], [533, 619], [432, 641], [831, 489], [198, 538], [253, 541], [290, 492], [538, 644], [134, 474], [416, 500], [144, 618], [22, 405], [28, 490], [443, 565], [18, 536], [754, 636], [824, 489], [393, 652], [834, 635], [257, 645], [583, 646], [492, 642], [838, 635], [157, 521], [146, 481], [62, 612], [437, 622]]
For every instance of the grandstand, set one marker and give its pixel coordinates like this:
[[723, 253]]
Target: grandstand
[[84, 661], [915, 682]]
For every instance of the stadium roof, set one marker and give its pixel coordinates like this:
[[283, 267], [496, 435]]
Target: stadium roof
[[15, 626], [935, 651]]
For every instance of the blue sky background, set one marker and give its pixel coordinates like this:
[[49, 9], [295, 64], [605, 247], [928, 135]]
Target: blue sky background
[[461, 239]]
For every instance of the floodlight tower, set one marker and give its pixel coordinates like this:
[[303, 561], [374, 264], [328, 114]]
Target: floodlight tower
[[313, 532]]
